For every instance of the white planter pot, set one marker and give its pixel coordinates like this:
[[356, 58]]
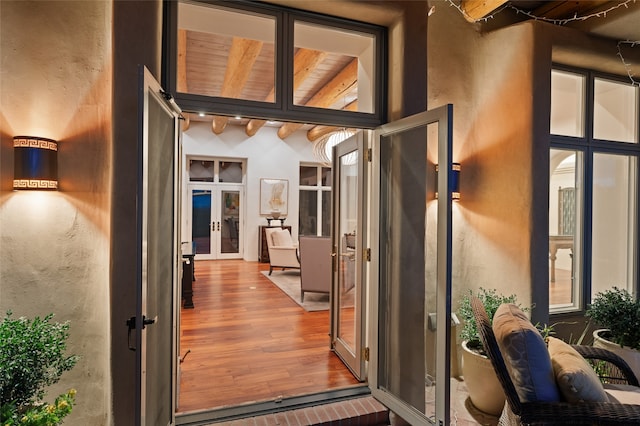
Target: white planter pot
[[484, 388], [631, 356]]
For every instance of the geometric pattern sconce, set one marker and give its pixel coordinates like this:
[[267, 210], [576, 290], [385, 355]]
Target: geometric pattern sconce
[[35, 163]]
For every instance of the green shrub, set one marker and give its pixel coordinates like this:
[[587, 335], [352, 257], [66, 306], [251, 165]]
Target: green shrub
[[619, 312], [491, 301], [32, 357]]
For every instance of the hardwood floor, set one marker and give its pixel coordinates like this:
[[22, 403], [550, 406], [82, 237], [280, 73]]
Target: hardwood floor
[[250, 342]]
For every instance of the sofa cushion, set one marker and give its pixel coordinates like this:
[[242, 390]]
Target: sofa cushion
[[622, 394], [575, 378], [525, 354], [282, 238]]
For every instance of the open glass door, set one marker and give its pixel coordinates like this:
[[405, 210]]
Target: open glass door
[[411, 267], [348, 295], [158, 255]]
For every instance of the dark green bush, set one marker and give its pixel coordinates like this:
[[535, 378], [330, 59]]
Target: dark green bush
[[619, 312], [32, 357], [491, 301]]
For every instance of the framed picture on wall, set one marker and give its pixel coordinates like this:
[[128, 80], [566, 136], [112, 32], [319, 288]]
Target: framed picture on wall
[[273, 196]]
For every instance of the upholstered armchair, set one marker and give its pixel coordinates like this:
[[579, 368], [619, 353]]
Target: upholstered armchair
[[283, 252], [315, 264]]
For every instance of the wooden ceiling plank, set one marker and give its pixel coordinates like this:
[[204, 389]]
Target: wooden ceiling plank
[[567, 9], [304, 62], [182, 62], [475, 10]]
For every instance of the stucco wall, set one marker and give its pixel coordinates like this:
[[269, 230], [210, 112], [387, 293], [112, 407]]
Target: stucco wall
[[489, 79], [54, 247]]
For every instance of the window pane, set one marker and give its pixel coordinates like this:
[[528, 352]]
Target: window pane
[[615, 113], [308, 220], [230, 172], [567, 103], [201, 171], [308, 176], [614, 221], [225, 54], [565, 225], [326, 213], [333, 68], [326, 176]]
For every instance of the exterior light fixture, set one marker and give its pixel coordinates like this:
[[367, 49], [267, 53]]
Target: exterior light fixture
[[35, 163], [454, 181]]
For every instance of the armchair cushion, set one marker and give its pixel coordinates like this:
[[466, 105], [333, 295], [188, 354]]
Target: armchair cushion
[[576, 379], [282, 238], [525, 354]]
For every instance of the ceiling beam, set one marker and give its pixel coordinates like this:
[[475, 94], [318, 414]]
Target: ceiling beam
[[474, 10], [182, 62], [242, 55], [317, 132], [304, 62], [328, 94]]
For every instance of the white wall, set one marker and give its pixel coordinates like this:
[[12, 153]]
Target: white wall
[[266, 155]]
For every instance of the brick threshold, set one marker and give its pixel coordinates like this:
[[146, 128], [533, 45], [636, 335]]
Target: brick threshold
[[365, 411]]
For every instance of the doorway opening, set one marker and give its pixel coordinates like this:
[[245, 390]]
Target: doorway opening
[[247, 346]]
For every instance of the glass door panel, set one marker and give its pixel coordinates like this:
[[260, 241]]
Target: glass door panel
[[201, 221], [348, 219], [229, 241], [411, 267]]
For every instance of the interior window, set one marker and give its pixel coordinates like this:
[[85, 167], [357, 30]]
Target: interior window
[[315, 200]]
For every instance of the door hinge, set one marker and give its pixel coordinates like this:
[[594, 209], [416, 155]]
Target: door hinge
[[367, 155], [366, 255], [365, 354]]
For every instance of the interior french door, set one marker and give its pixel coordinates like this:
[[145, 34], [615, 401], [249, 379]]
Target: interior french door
[[216, 219], [348, 292], [158, 255], [410, 268]]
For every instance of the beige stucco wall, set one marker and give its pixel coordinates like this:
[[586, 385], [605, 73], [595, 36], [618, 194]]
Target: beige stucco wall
[[489, 80], [54, 247]]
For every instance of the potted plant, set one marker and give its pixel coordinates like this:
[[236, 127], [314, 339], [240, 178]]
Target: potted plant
[[31, 358], [618, 312], [485, 391]]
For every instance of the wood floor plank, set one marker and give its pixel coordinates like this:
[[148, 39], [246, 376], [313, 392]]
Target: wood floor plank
[[250, 342]]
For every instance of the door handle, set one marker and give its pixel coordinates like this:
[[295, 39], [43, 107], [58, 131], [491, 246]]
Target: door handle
[[131, 324]]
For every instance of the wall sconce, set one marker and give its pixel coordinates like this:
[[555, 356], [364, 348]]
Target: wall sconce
[[454, 181], [35, 163]]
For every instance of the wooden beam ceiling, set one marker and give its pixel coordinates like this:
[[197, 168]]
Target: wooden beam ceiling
[[305, 62], [242, 56], [317, 132], [329, 94]]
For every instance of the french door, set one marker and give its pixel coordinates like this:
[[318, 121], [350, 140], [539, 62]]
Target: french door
[[410, 269], [348, 219], [158, 255], [216, 220]]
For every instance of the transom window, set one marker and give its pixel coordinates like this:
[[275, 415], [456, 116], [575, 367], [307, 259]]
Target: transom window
[[593, 193], [263, 61]]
